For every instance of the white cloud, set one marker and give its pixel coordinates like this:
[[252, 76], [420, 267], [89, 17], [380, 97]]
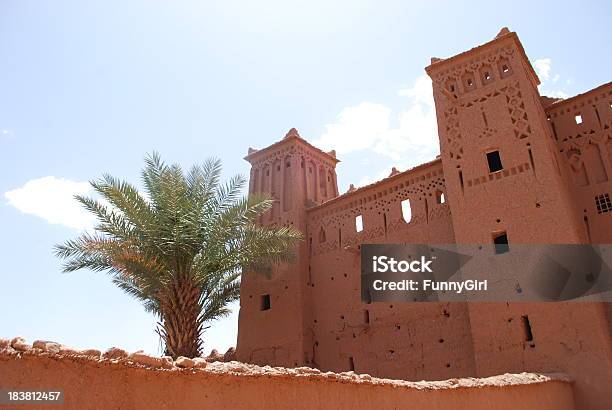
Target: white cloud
[[542, 67], [53, 200], [548, 87], [358, 127], [408, 137], [6, 132]]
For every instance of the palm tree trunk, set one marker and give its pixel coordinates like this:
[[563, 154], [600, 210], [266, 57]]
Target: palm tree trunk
[[180, 327]]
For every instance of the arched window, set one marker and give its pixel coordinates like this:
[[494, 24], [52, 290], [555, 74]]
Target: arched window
[[406, 210]]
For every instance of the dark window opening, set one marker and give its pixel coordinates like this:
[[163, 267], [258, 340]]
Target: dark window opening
[[487, 76], [603, 203], [494, 161], [366, 316], [527, 328], [501, 243], [265, 302], [351, 364]]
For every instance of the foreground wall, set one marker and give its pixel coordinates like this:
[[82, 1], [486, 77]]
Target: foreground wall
[[94, 382]]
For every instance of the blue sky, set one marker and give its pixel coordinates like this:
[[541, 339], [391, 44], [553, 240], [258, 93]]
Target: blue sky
[[91, 87]]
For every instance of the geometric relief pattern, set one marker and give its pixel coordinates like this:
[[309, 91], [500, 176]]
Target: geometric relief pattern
[[516, 108], [516, 111]]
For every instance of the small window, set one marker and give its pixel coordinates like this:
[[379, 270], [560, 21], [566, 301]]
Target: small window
[[527, 328], [494, 161], [505, 68], [451, 85], [578, 119], [288, 164], [440, 197], [500, 242], [359, 223], [603, 203], [469, 82], [487, 75], [265, 302], [406, 210]]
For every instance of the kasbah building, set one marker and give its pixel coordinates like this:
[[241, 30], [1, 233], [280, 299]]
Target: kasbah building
[[514, 166]]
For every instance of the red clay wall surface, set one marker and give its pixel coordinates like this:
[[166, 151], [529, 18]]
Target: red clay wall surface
[[110, 384], [585, 150]]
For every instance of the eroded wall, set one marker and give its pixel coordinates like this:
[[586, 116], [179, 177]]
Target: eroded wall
[[111, 384]]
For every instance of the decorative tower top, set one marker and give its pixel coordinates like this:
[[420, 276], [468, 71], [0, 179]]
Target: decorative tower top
[[292, 133]]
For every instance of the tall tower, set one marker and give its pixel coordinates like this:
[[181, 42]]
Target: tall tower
[[274, 312], [505, 186], [498, 151]]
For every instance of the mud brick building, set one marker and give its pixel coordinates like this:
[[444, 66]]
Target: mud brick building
[[514, 167]]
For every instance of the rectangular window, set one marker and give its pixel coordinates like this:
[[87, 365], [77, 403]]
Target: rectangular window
[[603, 203], [500, 240], [265, 302], [578, 119], [359, 223], [494, 161]]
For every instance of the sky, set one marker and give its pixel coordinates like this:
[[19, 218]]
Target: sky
[[92, 87]]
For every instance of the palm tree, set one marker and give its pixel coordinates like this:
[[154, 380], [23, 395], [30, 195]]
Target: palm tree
[[180, 252]]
